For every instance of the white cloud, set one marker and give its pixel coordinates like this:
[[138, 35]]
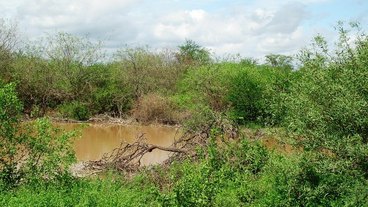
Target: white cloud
[[250, 32], [251, 28], [287, 19]]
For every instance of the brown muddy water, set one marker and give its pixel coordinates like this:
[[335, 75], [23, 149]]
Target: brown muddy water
[[97, 139]]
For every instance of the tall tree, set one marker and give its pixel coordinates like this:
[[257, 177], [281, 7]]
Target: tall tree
[[8, 42], [192, 53], [277, 60]]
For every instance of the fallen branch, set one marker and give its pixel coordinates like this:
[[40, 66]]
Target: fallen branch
[[168, 149], [127, 157]]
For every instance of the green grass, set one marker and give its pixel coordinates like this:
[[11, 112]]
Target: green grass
[[244, 173], [82, 192]]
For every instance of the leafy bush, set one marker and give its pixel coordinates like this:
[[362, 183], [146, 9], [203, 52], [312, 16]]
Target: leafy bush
[[190, 53], [155, 108], [111, 98], [327, 109], [205, 85], [254, 92], [50, 151], [31, 151], [55, 69], [200, 118], [75, 110], [247, 94], [211, 180], [83, 192], [308, 179], [10, 107], [145, 71], [9, 39], [329, 101]]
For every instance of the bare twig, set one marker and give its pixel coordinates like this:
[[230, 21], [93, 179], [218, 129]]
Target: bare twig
[[127, 157]]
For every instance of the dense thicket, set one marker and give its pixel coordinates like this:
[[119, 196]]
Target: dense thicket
[[29, 152], [320, 100], [71, 76]]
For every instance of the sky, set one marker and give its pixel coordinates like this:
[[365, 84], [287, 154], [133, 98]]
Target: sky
[[251, 28]]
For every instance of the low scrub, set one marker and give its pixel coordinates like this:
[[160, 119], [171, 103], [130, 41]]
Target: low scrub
[[155, 108], [29, 152], [75, 110]]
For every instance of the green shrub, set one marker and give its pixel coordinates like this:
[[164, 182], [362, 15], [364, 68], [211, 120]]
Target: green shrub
[[146, 71], [326, 107], [200, 118], [220, 178], [82, 192], [254, 94], [10, 107], [112, 99], [246, 94], [205, 85], [331, 97], [190, 53], [31, 151], [75, 110]]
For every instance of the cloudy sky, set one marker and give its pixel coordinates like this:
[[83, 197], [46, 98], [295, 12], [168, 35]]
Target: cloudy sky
[[252, 28]]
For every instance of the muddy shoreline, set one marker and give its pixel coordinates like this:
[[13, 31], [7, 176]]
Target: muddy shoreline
[[104, 119]]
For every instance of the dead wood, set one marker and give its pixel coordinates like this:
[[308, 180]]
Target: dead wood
[[127, 157]]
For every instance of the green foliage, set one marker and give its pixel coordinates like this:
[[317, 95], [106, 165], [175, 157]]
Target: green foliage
[[75, 110], [277, 60], [144, 71], [247, 174], [248, 61], [29, 152], [66, 50], [247, 94], [82, 192], [190, 53], [8, 43], [207, 86], [201, 94], [239, 173], [254, 91], [50, 151], [54, 78], [10, 107], [323, 104], [309, 180], [111, 98], [58, 69], [329, 101], [200, 119], [327, 108], [210, 181]]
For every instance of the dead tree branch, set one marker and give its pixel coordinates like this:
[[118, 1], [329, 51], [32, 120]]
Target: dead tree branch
[[127, 157]]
